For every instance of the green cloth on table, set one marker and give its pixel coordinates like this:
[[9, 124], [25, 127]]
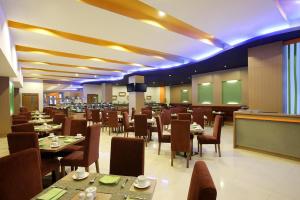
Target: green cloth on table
[[107, 179], [69, 140], [52, 194]]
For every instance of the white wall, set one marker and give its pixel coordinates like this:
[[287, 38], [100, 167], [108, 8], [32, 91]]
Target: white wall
[[115, 92], [92, 89], [34, 87], [8, 55], [154, 92]]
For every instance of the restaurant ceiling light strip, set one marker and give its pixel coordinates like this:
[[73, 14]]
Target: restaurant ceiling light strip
[[71, 55], [48, 79], [96, 41], [60, 76], [143, 12], [59, 71], [69, 66]]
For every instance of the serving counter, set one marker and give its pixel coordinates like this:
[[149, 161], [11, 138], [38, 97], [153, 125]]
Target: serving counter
[[273, 133]]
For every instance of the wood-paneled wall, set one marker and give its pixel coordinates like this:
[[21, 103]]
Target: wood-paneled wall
[[216, 79], [265, 77], [175, 93]]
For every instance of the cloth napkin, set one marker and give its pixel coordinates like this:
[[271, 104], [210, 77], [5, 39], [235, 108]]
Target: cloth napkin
[[107, 179], [52, 194]]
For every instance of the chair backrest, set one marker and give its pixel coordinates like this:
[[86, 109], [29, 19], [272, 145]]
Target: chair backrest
[[112, 119], [159, 128], [166, 117], [19, 121], [202, 186], [67, 126], [59, 118], [208, 113], [78, 126], [27, 127], [127, 156], [95, 115], [218, 127], [181, 109], [185, 116], [20, 175], [104, 116], [132, 113], [91, 147], [180, 136], [19, 117], [21, 141], [140, 125], [126, 120], [198, 116], [148, 112], [23, 110]]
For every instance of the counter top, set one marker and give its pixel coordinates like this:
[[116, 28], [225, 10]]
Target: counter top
[[267, 116]]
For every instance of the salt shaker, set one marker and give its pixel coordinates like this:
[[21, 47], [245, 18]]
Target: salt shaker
[[82, 196]]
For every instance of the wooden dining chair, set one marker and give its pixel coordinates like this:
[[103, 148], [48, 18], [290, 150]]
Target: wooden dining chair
[[88, 116], [147, 111], [112, 121], [22, 141], [27, 127], [185, 116], [161, 137], [78, 126], [180, 139], [88, 156], [141, 128], [127, 156], [215, 138], [96, 116], [20, 175], [198, 116], [126, 124], [201, 185]]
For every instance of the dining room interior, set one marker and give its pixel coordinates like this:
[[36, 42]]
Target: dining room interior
[[149, 100]]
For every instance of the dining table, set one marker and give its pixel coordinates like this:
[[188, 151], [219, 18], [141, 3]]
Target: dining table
[[149, 121], [40, 116], [47, 128], [63, 141], [40, 121], [120, 188]]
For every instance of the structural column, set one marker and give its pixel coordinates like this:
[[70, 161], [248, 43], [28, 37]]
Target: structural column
[[4, 106], [17, 101], [136, 99], [107, 92]]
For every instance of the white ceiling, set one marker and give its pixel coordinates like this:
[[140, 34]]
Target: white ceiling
[[228, 20]]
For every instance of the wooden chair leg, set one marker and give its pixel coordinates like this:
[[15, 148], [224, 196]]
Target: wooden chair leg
[[188, 159], [201, 150], [172, 156], [159, 148], [63, 171], [216, 148], [54, 175], [97, 166], [87, 169], [219, 149]]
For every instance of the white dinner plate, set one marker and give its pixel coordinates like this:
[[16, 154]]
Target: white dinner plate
[[148, 183], [86, 174]]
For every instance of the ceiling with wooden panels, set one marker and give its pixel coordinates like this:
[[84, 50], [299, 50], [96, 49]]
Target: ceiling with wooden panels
[[91, 40]]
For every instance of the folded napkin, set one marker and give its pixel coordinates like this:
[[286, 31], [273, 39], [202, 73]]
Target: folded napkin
[[52, 194], [107, 179]]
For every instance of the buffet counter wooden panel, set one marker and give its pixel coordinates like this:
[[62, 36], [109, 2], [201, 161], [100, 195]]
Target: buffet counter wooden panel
[[272, 133]]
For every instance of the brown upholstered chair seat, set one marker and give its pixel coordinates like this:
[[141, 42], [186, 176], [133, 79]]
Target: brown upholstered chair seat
[[73, 159], [130, 129], [48, 165], [207, 139]]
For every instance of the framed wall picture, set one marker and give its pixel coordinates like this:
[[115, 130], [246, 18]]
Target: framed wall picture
[[122, 94], [148, 97], [114, 97]]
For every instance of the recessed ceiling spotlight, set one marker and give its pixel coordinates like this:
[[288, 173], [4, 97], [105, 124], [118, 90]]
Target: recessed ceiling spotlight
[[170, 75], [161, 13], [76, 75], [195, 70], [95, 76]]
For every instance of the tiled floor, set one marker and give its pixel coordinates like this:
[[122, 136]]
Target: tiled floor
[[238, 174]]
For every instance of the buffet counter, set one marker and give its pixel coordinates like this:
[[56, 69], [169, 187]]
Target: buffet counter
[[273, 133]]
